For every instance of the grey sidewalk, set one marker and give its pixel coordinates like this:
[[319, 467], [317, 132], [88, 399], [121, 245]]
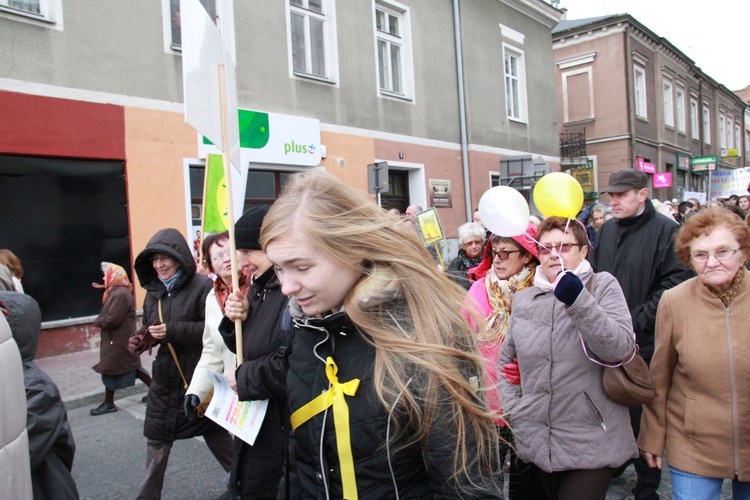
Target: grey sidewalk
[[79, 384]]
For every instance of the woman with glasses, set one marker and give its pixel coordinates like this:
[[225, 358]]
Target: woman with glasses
[[470, 241], [701, 364], [510, 264], [563, 421], [174, 313], [215, 355]]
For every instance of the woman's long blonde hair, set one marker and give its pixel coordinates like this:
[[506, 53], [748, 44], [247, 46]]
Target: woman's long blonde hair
[[426, 357]]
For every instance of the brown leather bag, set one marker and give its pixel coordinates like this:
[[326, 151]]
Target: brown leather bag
[[628, 383]]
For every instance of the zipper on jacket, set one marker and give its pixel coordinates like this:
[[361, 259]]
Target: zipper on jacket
[[598, 413], [733, 385]]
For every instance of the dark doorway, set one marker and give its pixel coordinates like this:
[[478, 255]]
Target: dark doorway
[[397, 195], [62, 218]]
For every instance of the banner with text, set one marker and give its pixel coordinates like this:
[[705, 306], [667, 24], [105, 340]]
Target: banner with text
[[728, 182]]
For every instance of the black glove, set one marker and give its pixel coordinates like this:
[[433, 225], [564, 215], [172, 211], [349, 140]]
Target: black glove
[[568, 288], [191, 403]]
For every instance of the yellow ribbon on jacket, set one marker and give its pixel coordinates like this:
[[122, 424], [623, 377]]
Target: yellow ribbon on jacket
[[335, 396]]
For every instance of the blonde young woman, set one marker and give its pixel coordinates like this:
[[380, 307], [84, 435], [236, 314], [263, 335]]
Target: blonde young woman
[[381, 349]]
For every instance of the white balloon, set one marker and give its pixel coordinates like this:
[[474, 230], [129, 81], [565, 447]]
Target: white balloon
[[504, 211]]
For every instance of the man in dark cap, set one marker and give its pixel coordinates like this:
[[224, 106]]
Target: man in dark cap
[[637, 248]]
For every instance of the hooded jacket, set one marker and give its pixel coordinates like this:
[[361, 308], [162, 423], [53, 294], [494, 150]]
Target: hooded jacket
[[183, 310], [639, 253], [51, 444]]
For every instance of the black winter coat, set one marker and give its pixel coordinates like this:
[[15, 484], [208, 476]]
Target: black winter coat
[[458, 269], [639, 252], [51, 444], [418, 471], [257, 470], [183, 309]]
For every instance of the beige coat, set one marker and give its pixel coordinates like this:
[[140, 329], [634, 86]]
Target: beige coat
[[14, 440], [701, 367]]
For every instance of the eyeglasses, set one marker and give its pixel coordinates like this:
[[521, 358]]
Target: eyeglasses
[[160, 256], [474, 243], [721, 254], [503, 254], [220, 254], [545, 249]]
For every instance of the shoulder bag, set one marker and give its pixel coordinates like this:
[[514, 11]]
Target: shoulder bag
[[629, 382]]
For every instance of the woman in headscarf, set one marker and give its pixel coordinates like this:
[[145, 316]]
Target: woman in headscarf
[[118, 366]]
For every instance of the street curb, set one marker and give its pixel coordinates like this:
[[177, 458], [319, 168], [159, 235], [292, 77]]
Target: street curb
[[91, 398]]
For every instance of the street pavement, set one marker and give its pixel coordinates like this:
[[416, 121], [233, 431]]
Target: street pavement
[[110, 456]]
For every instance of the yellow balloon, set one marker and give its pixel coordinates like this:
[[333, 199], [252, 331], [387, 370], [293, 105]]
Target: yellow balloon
[[558, 195]]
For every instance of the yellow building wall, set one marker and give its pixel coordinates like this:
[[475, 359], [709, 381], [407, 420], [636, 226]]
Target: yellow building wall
[[348, 157], [156, 142]]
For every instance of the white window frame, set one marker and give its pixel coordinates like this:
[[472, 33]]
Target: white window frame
[[565, 76], [224, 21], [49, 16], [668, 103], [403, 41], [330, 48], [680, 104], [520, 114], [694, 120], [729, 131], [722, 130], [706, 124], [639, 88]]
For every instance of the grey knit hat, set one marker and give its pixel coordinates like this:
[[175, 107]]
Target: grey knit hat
[[247, 228]]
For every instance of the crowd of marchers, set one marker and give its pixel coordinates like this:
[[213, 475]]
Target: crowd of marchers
[[387, 377]]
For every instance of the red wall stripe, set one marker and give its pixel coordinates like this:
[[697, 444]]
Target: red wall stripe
[[48, 126]]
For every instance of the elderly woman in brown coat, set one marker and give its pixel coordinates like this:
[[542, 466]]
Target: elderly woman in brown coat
[[118, 366], [701, 364]]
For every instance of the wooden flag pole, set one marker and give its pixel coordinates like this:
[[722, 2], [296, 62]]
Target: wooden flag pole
[[230, 206]]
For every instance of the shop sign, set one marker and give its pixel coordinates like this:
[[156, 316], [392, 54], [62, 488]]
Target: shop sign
[[704, 163], [644, 166], [662, 180], [440, 193], [275, 138]]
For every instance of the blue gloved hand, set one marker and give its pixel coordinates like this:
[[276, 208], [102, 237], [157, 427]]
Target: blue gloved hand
[[567, 287]]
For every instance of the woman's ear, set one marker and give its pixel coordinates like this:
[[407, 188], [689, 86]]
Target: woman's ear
[[527, 258], [585, 251]]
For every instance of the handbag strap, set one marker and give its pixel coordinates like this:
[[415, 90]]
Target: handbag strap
[[174, 354], [590, 289]]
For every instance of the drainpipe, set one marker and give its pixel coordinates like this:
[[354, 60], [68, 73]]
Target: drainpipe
[[631, 95], [462, 109]]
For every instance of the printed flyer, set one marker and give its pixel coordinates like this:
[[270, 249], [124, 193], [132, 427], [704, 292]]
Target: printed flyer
[[241, 418]]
